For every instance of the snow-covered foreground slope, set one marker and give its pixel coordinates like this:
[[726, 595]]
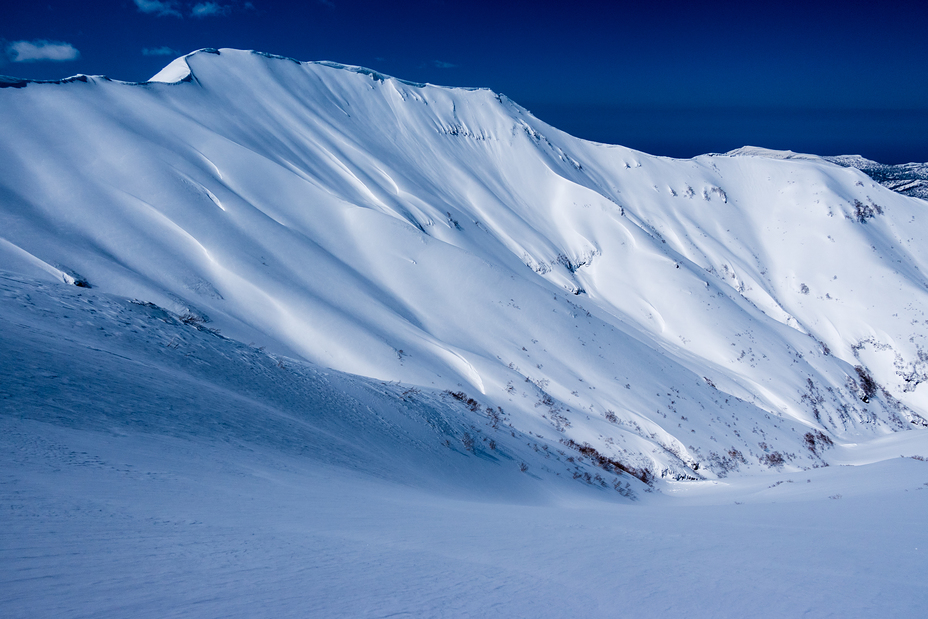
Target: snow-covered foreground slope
[[151, 468], [688, 318]]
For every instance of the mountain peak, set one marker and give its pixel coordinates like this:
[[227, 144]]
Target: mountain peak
[[180, 69], [769, 153]]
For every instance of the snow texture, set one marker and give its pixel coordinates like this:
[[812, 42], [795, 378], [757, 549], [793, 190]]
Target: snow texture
[[302, 339]]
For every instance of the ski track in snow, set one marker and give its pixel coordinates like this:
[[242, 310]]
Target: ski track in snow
[[361, 347]]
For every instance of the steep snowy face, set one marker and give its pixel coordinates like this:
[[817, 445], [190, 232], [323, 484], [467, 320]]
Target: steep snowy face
[[697, 317]]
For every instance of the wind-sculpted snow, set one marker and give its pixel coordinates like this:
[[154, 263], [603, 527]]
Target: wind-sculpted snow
[[691, 318], [89, 362]]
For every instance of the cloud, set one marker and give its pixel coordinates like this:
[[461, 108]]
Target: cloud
[[441, 64], [327, 3], [159, 51], [36, 51], [208, 9], [158, 7]]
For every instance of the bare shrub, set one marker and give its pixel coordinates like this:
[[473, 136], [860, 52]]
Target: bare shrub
[[546, 400], [723, 464], [460, 396], [191, 319], [816, 440], [608, 464], [863, 212], [774, 459], [867, 384]]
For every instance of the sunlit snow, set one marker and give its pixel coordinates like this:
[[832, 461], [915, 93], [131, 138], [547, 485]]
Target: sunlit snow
[[301, 339]]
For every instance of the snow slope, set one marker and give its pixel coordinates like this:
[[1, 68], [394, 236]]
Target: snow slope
[[909, 179], [152, 468], [300, 339], [693, 318]]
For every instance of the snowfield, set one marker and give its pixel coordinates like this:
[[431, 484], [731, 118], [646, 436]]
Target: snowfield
[[301, 339]]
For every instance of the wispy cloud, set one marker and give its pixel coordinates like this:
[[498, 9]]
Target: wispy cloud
[[37, 51], [158, 7], [327, 3], [164, 50], [441, 64], [209, 9]]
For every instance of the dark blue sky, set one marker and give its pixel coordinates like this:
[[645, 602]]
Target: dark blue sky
[[671, 78]]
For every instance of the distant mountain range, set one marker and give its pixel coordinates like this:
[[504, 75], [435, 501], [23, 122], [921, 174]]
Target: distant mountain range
[[909, 179]]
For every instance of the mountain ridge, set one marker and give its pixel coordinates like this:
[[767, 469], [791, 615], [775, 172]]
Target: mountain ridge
[[445, 238], [909, 179]]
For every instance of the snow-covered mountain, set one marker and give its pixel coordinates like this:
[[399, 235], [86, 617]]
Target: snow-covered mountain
[[300, 339], [909, 179], [688, 317]]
